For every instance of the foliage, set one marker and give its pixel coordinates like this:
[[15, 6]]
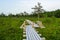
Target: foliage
[[51, 32], [55, 13], [10, 28]]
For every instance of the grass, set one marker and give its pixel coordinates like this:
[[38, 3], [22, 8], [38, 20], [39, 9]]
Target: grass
[[52, 30], [10, 28]]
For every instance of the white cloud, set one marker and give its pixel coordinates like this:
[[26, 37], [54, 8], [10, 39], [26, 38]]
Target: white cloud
[[17, 6]]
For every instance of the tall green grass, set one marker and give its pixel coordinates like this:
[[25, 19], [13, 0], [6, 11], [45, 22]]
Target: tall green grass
[[10, 28], [52, 30]]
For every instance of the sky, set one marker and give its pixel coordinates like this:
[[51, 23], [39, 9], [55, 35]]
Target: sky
[[18, 6]]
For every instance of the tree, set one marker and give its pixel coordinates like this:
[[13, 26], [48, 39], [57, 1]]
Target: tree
[[2, 14], [21, 14], [38, 9], [57, 13], [17, 15], [11, 15], [25, 13]]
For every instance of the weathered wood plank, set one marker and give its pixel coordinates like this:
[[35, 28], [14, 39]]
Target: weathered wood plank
[[31, 34], [32, 23]]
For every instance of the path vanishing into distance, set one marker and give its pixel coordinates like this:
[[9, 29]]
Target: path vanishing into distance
[[30, 33]]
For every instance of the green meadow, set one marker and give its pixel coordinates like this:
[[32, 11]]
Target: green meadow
[[10, 28], [52, 30]]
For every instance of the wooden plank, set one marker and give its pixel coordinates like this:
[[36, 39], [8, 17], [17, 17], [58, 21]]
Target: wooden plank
[[31, 34], [32, 23]]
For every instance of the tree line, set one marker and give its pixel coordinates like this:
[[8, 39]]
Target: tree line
[[55, 13]]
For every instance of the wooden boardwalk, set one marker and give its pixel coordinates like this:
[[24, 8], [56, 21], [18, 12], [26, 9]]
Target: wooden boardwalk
[[31, 34], [32, 23]]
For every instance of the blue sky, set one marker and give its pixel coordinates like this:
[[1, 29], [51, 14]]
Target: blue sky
[[17, 6]]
